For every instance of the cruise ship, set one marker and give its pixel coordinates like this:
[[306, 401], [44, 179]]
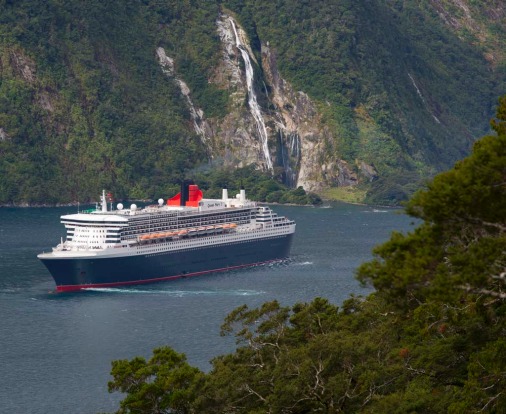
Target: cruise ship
[[187, 235]]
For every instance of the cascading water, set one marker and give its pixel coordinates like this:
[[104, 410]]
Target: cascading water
[[289, 156], [252, 99], [197, 114]]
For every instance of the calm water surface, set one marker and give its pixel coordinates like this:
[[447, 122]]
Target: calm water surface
[[56, 349]]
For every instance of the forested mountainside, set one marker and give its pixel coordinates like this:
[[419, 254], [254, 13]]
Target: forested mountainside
[[133, 95]]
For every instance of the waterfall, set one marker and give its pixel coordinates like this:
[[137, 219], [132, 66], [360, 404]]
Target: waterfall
[[197, 115], [252, 99], [422, 98], [294, 142], [289, 155]]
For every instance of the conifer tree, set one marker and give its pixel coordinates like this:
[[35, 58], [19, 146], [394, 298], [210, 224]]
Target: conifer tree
[[430, 339]]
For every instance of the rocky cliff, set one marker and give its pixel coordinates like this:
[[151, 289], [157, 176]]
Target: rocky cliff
[[286, 136], [281, 129]]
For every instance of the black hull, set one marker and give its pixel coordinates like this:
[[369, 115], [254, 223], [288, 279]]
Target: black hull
[[75, 273]]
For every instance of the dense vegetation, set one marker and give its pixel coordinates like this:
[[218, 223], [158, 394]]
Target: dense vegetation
[[259, 186], [400, 90], [85, 106], [430, 339]]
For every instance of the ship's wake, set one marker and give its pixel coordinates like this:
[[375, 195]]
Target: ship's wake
[[176, 293]]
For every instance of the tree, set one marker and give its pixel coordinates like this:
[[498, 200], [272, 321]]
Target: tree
[[164, 384], [430, 339], [449, 278]]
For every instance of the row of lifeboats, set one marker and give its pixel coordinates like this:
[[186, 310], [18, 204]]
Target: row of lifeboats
[[194, 231]]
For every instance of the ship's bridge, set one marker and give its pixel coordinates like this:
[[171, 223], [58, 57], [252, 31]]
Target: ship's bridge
[[93, 230], [100, 219]]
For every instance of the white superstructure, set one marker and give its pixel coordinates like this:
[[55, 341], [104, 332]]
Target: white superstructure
[[160, 228]]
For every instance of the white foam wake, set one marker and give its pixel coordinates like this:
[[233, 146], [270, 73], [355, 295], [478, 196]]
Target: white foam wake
[[176, 293], [303, 264]]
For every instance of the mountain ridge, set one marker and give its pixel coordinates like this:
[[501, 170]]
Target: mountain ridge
[[85, 104]]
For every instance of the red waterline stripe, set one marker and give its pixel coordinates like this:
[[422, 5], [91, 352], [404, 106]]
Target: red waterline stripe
[[74, 288]]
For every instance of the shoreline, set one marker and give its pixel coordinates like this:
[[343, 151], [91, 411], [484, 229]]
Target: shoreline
[[92, 203], [72, 204]]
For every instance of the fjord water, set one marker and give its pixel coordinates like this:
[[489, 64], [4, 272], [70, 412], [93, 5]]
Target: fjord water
[[56, 349]]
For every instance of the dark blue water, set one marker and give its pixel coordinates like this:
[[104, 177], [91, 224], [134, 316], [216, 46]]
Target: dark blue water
[[56, 349]]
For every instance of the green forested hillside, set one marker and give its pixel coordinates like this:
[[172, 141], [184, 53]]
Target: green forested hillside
[[364, 58], [84, 103], [85, 106], [431, 339]]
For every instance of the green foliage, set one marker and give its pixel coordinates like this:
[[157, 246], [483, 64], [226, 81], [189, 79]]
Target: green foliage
[[423, 88], [259, 186], [463, 231], [80, 84], [391, 190], [85, 105], [430, 339], [163, 384], [449, 274]]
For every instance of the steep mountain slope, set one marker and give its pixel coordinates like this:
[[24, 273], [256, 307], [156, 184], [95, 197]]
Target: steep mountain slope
[[133, 95], [402, 91]]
